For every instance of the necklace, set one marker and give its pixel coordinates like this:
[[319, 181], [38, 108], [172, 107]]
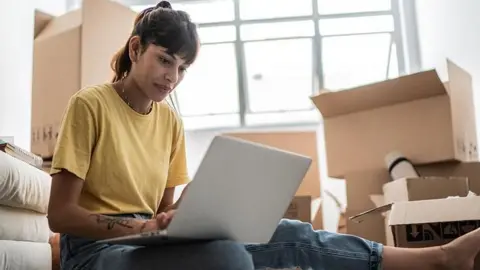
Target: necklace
[[125, 98]]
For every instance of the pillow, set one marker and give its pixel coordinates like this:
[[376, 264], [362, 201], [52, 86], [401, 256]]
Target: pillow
[[23, 225], [22, 185]]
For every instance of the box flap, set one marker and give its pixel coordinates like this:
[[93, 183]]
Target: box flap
[[430, 211], [463, 112], [362, 216], [402, 89], [41, 21], [60, 25]]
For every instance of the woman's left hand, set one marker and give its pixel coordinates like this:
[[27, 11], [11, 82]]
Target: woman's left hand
[[164, 219]]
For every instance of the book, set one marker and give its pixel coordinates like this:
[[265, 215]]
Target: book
[[21, 154]]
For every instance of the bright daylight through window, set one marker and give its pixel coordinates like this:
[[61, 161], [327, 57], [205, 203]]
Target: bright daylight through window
[[261, 60]]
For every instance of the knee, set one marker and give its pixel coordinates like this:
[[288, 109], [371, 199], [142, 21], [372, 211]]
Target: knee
[[293, 231], [228, 255]]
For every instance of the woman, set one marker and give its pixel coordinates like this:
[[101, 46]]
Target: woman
[[121, 153]]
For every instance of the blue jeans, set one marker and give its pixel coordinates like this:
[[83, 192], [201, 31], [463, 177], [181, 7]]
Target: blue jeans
[[294, 244]]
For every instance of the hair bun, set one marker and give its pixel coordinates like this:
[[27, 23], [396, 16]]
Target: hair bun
[[164, 4]]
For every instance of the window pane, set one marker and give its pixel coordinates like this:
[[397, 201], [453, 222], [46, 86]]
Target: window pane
[[371, 24], [267, 9], [208, 11], [277, 30], [352, 6], [210, 85], [279, 74], [350, 61], [217, 34], [393, 68]]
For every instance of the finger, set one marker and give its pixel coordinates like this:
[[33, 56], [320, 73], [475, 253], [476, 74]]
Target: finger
[[170, 213]]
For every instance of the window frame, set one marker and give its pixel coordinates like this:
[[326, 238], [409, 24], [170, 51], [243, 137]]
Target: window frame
[[403, 35]]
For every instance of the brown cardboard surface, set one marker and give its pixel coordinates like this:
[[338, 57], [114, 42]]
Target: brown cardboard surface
[[301, 142], [424, 188], [68, 56], [306, 209], [362, 184], [365, 123], [372, 228], [471, 170]]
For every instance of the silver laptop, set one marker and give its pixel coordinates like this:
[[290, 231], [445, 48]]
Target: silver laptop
[[240, 192]]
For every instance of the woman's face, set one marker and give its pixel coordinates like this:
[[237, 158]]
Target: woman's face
[[157, 73]]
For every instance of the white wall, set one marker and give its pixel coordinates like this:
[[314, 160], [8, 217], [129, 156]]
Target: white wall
[[54, 7], [16, 52], [450, 29]]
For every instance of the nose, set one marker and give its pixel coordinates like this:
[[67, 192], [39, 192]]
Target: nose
[[172, 75]]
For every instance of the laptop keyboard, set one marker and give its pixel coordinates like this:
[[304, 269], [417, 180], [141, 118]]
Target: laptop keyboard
[[154, 233]]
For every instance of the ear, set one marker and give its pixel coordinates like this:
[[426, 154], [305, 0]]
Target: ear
[[134, 48]]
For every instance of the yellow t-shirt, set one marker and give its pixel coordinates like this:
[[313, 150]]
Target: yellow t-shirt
[[125, 158]]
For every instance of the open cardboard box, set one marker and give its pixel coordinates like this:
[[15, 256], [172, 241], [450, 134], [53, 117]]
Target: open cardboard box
[[406, 189], [416, 115], [427, 223], [72, 51]]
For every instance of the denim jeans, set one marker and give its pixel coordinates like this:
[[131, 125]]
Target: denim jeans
[[294, 244]]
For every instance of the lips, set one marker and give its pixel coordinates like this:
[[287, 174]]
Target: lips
[[163, 88]]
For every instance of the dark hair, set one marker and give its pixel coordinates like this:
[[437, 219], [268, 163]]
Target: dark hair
[[161, 26]]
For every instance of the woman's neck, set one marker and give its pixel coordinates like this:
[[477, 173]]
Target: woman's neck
[[133, 96]]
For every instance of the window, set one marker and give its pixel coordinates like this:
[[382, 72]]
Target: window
[[210, 86], [279, 75], [356, 25], [277, 30], [214, 34], [352, 6], [350, 61], [267, 9], [260, 64], [208, 11]]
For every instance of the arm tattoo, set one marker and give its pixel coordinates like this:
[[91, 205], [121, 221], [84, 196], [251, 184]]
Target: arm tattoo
[[113, 221]]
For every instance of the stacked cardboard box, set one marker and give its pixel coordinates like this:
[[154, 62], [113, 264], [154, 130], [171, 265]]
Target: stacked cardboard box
[[433, 124], [72, 51]]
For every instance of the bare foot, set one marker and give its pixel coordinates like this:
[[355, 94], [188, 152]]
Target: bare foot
[[460, 253]]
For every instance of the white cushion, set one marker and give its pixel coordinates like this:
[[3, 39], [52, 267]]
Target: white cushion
[[25, 255], [23, 225], [22, 185]]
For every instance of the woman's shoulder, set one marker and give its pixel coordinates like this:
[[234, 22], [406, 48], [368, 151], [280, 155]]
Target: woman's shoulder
[[93, 95]]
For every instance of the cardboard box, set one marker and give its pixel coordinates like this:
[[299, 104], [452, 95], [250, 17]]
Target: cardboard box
[[361, 185], [306, 209], [72, 51], [407, 189], [415, 115], [424, 188], [471, 170], [433, 222]]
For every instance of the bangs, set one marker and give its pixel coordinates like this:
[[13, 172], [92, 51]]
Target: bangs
[[172, 30]]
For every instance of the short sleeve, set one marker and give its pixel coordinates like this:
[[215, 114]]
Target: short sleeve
[[178, 171], [76, 139]]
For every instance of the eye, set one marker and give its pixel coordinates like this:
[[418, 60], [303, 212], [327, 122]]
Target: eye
[[183, 69], [164, 60]]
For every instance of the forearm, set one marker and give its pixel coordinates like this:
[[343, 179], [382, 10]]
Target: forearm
[[77, 221]]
